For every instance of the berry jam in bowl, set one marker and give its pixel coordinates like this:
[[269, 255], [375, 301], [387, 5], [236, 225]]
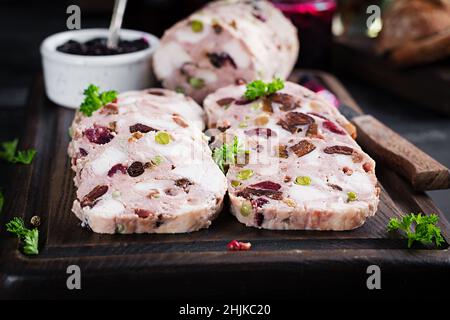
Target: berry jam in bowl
[[74, 59]]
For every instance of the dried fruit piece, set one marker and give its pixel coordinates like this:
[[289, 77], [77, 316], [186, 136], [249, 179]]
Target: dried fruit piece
[[338, 149], [109, 109], [259, 203], [243, 101], [262, 120], [287, 127], [302, 148], [184, 184], [97, 192], [143, 213], [313, 131], [303, 181], [249, 192], [244, 174], [286, 100], [282, 151], [335, 186], [348, 171], [225, 101], [246, 209], [266, 185], [367, 167], [218, 60], [156, 92], [98, 134], [217, 28], [331, 126], [351, 196], [298, 118], [135, 169], [82, 152], [261, 132], [135, 136], [139, 127], [118, 167], [267, 105], [162, 137], [180, 121]]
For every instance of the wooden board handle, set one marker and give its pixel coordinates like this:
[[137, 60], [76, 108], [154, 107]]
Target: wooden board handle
[[421, 170]]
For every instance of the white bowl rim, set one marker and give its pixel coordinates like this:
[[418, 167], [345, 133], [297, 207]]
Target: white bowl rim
[[48, 47]]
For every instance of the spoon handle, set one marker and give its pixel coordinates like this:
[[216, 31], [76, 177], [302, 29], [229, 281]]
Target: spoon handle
[[116, 23]]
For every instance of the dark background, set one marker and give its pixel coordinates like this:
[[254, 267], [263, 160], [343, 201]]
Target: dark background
[[24, 24]]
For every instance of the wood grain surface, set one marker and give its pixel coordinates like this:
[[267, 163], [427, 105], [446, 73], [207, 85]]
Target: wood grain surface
[[421, 170], [427, 85], [280, 264]]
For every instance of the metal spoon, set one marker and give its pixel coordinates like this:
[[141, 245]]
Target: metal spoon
[[116, 23]]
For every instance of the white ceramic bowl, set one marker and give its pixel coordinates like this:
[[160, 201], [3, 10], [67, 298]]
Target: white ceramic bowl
[[67, 75]]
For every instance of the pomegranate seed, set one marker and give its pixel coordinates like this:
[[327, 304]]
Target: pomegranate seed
[[235, 245]]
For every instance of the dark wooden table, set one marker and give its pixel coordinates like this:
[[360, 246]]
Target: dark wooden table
[[429, 131]]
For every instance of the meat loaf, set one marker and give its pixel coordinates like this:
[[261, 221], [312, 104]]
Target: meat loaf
[[302, 169], [143, 167], [224, 43]]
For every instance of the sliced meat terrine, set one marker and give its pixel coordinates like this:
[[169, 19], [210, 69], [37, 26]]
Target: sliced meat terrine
[[223, 43], [301, 169], [143, 165]]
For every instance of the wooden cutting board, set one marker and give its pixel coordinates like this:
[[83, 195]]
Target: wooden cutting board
[[427, 85], [281, 263]]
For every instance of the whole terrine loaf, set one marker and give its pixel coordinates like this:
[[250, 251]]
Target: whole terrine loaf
[[299, 167], [143, 165], [224, 43]]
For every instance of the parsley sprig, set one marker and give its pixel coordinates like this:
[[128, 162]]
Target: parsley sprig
[[259, 88], [9, 153], [418, 227], [29, 237], [94, 99], [228, 153]]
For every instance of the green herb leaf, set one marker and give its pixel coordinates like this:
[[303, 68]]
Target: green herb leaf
[[31, 241], [227, 154], [275, 85], [197, 26], [419, 228], [25, 157], [94, 100], [259, 88], [11, 154], [30, 238]]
